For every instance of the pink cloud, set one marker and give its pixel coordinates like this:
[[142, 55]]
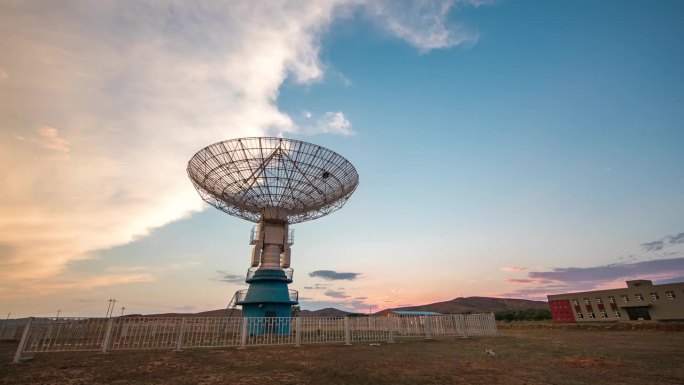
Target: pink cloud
[[50, 139], [513, 269], [522, 280]]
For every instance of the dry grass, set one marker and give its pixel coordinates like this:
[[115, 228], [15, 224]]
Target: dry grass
[[523, 356]]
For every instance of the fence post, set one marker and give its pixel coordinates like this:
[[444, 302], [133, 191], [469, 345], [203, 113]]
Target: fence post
[[22, 341], [347, 336], [428, 328], [390, 329], [179, 342], [298, 331], [243, 335], [108, 334], [492, 323], [464, 328]]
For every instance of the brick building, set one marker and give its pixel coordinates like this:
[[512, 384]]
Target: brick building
[[640, 300]]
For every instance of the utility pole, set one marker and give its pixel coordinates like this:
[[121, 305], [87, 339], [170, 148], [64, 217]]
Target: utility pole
[[109, 308], [113, 304], [58, 311], [122, 310], [8, 314]]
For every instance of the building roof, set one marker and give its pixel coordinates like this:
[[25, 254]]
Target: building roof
[[402, 312]]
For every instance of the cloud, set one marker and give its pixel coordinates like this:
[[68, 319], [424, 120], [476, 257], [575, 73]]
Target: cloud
[[89, 283], [318, 286], [331, 123], [478, 3], [333, 275], [675, 239], [662, 243], [50, 139], [230, 278], [334, 123], [624, 271], [131, 90], [509, 281], [336, 294], [427, 31], [539, 292], [513, 269], [653, 246], [343, 79], [571, 279], [670, 280]]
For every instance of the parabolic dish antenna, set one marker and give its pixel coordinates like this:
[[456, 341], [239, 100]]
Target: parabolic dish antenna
[[274, 182], [281, 179]]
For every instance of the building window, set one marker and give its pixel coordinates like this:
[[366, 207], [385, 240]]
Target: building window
[[611, 299], [580, 315], [625, 298], [586, 301], [598, 300], [591, 314], [670, 294], [603, 314], [639, 297], [655, 296], [575, 302], [616, 314]]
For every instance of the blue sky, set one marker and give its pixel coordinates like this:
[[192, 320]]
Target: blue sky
[[505, 148]]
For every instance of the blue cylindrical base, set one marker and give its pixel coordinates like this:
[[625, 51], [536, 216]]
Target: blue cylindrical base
[[267, 310], [267, 301]]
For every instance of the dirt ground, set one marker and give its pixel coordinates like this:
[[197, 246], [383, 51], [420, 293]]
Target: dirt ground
[[523, 355]]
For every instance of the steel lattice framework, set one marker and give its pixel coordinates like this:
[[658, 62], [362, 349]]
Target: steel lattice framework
[[243, 177]]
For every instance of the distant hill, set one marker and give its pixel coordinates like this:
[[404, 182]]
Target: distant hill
[[219, 313], [208, 313], [474, 305], [327, 312], [456, 305]]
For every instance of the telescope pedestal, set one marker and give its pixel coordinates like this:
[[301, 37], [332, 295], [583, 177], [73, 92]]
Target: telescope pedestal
[[268, 298]]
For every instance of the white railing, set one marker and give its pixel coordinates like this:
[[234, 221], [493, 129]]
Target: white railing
[[125, 333], [254, 236], [11, 329], [289, 272], [65, 334], [322, 330], [244, 294]]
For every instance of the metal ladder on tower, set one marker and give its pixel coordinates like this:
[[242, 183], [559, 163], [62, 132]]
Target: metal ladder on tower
[[232, 305]]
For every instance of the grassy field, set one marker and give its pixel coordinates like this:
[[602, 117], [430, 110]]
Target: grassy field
[[525, 355]]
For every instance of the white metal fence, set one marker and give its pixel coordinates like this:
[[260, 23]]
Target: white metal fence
[[11, 329], [124, 333]]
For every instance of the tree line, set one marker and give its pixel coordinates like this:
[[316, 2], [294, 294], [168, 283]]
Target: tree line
[[523, 315]]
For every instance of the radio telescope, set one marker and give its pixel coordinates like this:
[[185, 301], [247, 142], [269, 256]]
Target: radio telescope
[[274, 182]]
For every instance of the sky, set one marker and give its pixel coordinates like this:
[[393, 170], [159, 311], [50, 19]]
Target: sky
[[504, 148]]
